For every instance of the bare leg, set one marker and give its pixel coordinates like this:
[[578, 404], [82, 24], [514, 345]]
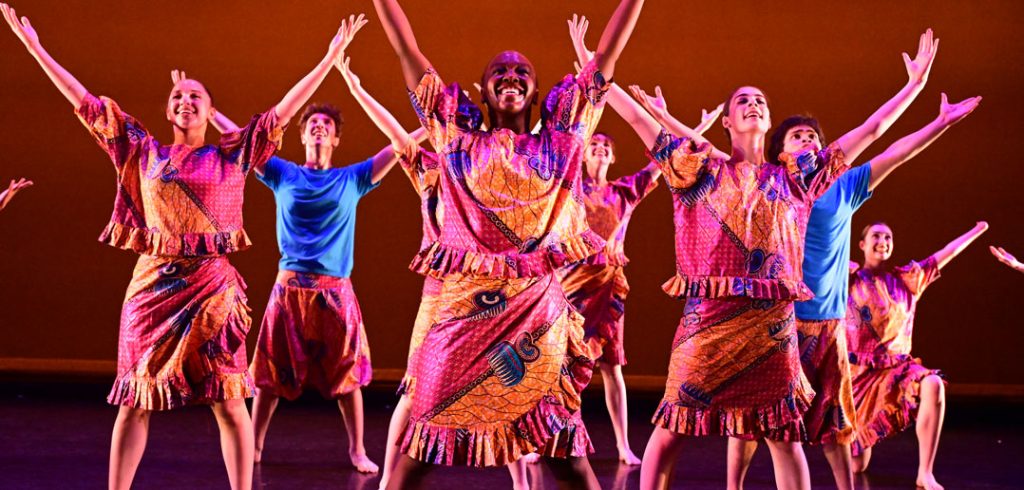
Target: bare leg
[[236, 441], [407, 474], [838, 456], [262, 410], [738, 458], [351, 406], [860, 463], [127, 444], [398, 420], [573, 473], [929, 427], [662, 451], [615, 398], [518, 470], [791, 472]]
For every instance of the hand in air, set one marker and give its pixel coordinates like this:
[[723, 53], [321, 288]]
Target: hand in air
[[954, 113], [12, 189], [708, 119], [578, 32], [1006, 257], [22, 28], [346, 72], [919, 67], [177, 76], [347, 31], [655, 105]]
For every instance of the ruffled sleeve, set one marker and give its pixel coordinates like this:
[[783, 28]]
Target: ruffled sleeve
[[683, 163], [253, 145], [444, 111], [918, 275], [633, 188], [119, 134], [421, 166], [575, 104], [816, 172]]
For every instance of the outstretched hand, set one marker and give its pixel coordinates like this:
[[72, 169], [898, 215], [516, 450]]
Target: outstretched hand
[[346, 72], [919, 67], [177, 76], [708, 118], [1006, 257], [12, 189], [954, 113], [655, 105], [347, 31], [22, 28], [578, 32]]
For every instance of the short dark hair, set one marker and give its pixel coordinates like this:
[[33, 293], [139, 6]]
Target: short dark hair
[[778, 139], [728, 102], [328, 110], [864, 232]]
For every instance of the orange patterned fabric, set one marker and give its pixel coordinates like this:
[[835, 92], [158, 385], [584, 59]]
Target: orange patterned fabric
[[182, 337], [823, 355], [312, 337], [599, 293], [175, 200], [734, 371], [879, 328], [739, 226], [609, 208]]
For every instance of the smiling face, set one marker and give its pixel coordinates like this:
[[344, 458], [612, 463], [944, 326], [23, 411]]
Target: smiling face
[[509, 83], [601, 150], [801, 137], [747, 112], [320, 130], [189, 106], [877, 243]]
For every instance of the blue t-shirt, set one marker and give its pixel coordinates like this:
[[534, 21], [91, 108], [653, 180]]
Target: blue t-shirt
[[316, 214], [827, 246]]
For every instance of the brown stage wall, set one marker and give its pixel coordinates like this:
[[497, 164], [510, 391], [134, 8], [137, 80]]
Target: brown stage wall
[[60, 290]]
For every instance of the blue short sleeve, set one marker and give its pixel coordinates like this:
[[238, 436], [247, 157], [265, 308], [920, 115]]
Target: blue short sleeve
[[858, 181], [274, 172], [362, 174]]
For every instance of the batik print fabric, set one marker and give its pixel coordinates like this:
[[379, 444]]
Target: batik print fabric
[[502, 363], [312, 337], [184, 320], [823, 355], [735, 368], [879, 328], [610, 207]]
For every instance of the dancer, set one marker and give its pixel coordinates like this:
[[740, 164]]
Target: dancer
[[312, 334], [179, 206], [1007, 258], [12, 189], [597, 287], [506, 360], [891, 389]]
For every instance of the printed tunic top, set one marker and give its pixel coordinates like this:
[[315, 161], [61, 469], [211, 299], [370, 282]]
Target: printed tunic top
[[513, 203], [175, 200], [739, 227], [880, 316], [609, 208]]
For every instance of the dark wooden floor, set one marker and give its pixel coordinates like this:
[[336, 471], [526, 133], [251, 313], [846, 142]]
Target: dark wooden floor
[[57, 436]]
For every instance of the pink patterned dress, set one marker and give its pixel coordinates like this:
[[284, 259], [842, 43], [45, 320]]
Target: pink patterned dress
[[185, 318]]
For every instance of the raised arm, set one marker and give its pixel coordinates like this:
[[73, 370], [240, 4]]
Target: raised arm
[[1006, 258], [909, 146], [942, 257], [615, 36], [399, 32], [297, 97], [220, 122], [7, 194], [856, 141], [68, 85], [387, 157], [658, 108]]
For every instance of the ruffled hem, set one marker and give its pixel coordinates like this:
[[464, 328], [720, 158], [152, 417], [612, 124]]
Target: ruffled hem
[[548, 427], [890, 422], [152, 242], [711, 287], [439, 260], [175, 392], [617, 259], [881, 361], [781, 421]]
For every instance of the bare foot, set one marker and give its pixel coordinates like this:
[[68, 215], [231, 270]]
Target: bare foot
[[627, 457], [532, 458], [927, 482], [363, 463], [257, 455]]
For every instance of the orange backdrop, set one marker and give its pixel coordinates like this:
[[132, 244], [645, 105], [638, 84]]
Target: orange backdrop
[[61, 291]]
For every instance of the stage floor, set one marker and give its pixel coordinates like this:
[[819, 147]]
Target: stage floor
[[58, 435]]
